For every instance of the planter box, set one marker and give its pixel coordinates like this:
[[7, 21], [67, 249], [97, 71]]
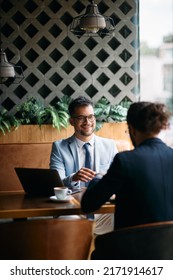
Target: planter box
[[47, 134]]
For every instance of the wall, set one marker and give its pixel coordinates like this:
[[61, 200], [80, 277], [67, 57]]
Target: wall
[[36, 35]]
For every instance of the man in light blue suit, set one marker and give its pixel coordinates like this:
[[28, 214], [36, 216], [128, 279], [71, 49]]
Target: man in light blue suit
[[68, 155]]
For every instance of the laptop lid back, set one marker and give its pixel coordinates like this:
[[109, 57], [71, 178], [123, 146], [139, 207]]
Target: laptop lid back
[[38, 181]]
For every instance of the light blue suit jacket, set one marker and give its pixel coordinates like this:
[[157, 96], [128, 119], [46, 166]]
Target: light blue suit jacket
[[64, 157]]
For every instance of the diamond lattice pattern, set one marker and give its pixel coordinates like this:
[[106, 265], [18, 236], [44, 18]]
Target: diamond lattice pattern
[[36, 35]]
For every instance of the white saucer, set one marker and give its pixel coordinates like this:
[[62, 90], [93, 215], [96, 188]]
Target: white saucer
[[66, 199]]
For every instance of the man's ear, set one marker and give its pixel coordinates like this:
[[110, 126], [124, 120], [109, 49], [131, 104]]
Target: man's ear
[[132, 130], [71, 120]]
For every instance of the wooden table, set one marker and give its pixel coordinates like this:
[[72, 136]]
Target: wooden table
[[17, 204]]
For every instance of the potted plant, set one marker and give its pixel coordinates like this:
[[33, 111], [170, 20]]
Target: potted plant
[[32, 111], [105, 112], [53, 121]]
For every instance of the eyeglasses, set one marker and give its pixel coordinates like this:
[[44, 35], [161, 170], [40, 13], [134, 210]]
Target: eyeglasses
[[82, 119]]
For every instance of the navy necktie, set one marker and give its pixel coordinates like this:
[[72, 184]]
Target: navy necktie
[[88, 165], [87, 156]]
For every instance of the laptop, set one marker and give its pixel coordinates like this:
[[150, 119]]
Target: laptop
[[38, 181]]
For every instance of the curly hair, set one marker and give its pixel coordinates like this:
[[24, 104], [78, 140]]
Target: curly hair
[[78, 102], [148, 117]]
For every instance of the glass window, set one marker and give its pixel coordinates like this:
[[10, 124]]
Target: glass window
[[156, 55]]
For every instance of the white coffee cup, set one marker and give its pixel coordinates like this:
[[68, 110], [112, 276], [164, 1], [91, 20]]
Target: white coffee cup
[[61, 192]]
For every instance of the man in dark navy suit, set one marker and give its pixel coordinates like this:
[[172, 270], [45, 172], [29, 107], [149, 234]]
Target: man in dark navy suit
[[141, 179]]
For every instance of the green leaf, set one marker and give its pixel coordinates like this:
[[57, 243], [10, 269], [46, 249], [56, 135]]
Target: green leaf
[[6, 125], [102, 110], [118, 113], [58, 118], [30, 111], [2, 129], [7, 121], [63, 103], [99, 125]]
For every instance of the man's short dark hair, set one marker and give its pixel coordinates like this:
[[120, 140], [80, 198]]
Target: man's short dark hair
[[78, 102]]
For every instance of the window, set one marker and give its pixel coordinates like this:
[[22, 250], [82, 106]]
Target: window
[[156, 55]]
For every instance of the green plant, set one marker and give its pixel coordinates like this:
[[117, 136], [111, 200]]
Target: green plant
[[58, 118], [105, 112], [7, 121], [117, 113], [31, 111], [63, 103]]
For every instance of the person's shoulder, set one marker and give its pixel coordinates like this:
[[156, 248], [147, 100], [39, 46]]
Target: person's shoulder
[[64, 141], [105, 140]]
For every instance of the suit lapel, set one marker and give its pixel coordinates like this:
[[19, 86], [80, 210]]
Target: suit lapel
[[73, 149], [97, 154]]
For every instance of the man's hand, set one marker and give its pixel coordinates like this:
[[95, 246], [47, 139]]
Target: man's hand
[[84, 175]]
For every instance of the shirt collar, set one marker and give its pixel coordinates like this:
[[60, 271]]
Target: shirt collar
[[80, 143]]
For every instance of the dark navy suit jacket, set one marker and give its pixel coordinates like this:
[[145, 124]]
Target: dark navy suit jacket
[[142, 180]]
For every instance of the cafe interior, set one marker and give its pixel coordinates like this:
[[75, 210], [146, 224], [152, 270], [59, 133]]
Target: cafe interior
[[51, 49]]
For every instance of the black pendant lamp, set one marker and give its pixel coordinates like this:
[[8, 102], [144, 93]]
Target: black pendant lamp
[[92, 23]]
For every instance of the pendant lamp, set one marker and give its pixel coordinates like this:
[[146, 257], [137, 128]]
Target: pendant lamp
[[8, 71], [92, 23]]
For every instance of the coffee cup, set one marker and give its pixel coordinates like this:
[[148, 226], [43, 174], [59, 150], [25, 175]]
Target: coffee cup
[[61, 192]]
